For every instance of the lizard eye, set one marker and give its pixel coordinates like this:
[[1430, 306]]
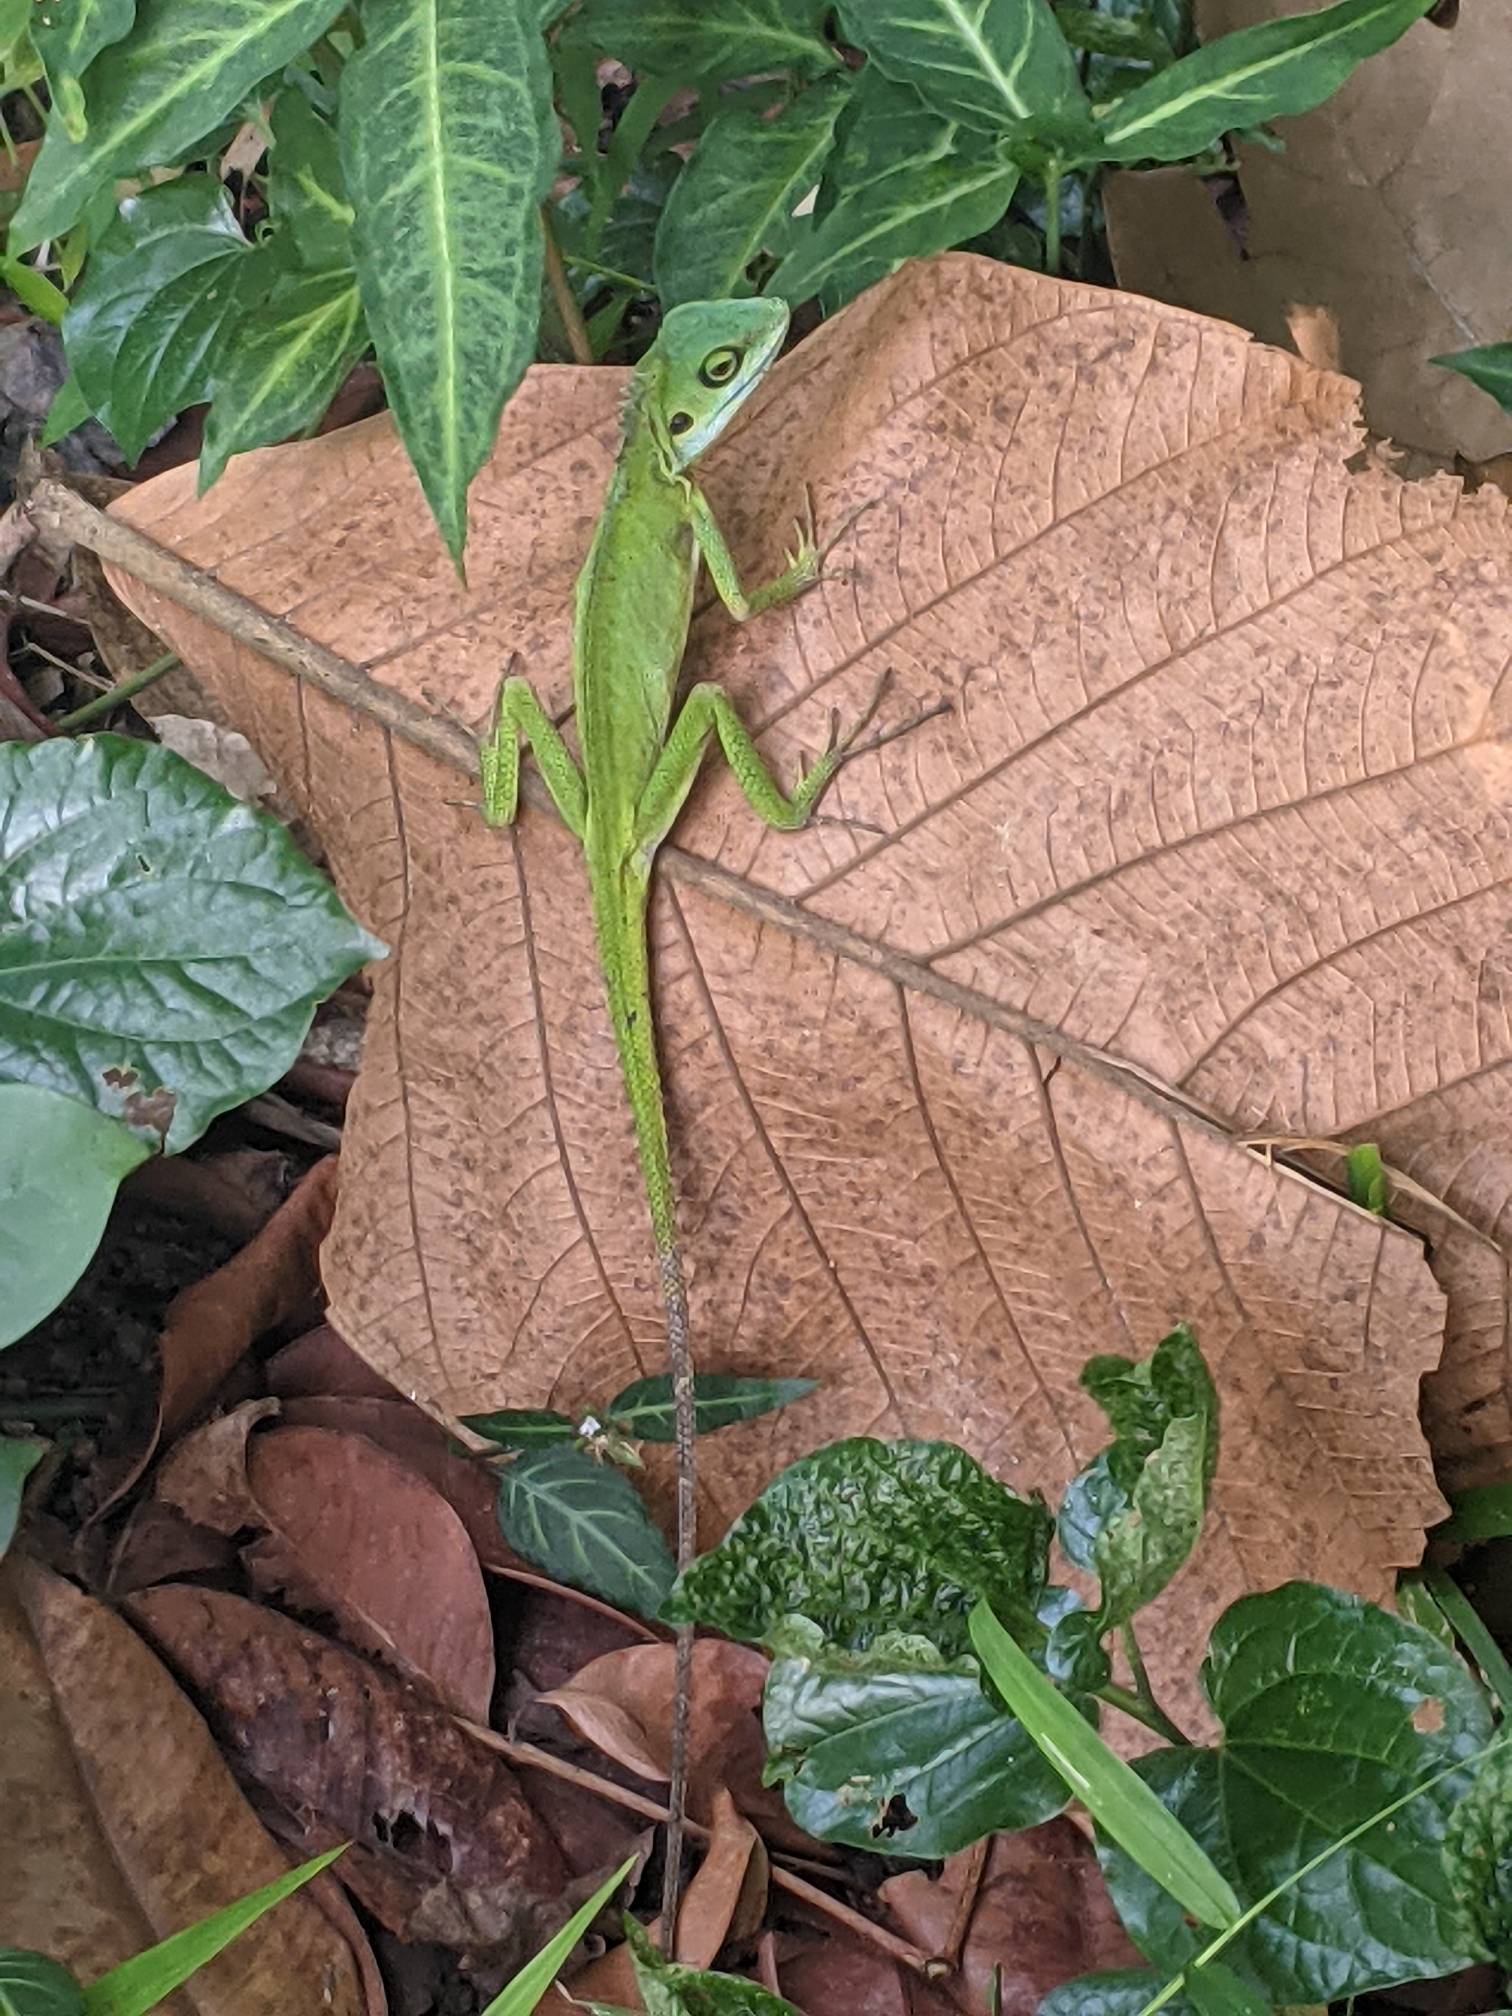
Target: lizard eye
[[679, 423], [719, 367]]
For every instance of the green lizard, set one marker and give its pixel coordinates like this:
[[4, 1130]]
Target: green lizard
[[633, 608]]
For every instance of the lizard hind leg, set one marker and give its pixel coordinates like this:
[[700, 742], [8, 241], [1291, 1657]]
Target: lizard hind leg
[[518, 713]]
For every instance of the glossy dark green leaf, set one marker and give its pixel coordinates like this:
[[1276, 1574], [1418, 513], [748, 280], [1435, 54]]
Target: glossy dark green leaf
[[307, 197], [667, 1989], [68, 410], [1489, 367], [19, 1454], [522, 1427], [900, 183], [997, 65], [1272, 71], [283, 360], [1478, 1860], [1123, 1807], [1122, 1991], [1331, 1711], [449, 146], [734, 200], [160, 293], [1074, 1654], [1215, 1990], [584, 1523], [864, 1537], [33, 1985], [67, 36], [60, 1166], [1482, 1513], [647, 1411], [1366, 1177], [709, 40], [184, 66], [164, 947], [1137, 1553], [1142, 1396], [896, 1749]]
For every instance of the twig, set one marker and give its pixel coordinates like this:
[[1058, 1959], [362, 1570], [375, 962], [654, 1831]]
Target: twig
[[115, 696], [960, 1924], [532, 1759], [578, 340]]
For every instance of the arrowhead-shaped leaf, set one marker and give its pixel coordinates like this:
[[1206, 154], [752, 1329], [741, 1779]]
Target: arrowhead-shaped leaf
[[1001, 66]]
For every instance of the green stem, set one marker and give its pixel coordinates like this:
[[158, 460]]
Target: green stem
[[635, 127], [1052, 216], [1473, 1634], [115, 696], [1144, 1712], [1158, 1718], [565, 301]]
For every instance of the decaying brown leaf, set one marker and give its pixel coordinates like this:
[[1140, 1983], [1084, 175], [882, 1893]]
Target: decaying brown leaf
[[445, 1848], [110, 1844], [1387, 208], [1218, 821]]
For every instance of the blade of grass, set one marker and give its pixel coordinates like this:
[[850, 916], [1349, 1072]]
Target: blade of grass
[[519, 1996], [1471, 1630], [1119, 1801]]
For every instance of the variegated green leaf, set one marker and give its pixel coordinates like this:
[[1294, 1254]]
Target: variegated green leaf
[[1269, 72], [283, 362], [449, 144], [67, 36], [307, 196], [185, 65], [1001, 66], [735, 198]]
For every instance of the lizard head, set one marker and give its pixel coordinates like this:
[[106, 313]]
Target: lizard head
[[713, 354]]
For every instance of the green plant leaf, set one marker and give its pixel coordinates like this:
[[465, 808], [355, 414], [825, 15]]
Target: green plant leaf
[[706, 40], [19, 1454], [897, 1750], [141, 1983], [1366, 1177], [667, 1989], [901, 182], [307, 197], [34, 290], [185, 65], [449, 145], [15, 20], [161, 290], [1332, 1711], [1001, 66], [68, 410], [647, 1411], [33, 1985], [864, 1537], [1121, 1991], [522, 1427], [584, 1523], [60, 1166], [1128, 38], [1121, 1804], [283, 360], [67, 36], [735, 198], [1489, 367], [1478, 1861], [520, 1996], [162, 947], [1484, 1512], [1272, 71]]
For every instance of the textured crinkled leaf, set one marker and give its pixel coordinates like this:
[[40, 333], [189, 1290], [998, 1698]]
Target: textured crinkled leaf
[[865, 1537], [648, 1411], [33, 1985], [902, 181], [1248, 78], [185, 65], [1137, 1552], [307, 196], [60, 1166], [734, 199], [162, 947], [1331, 1710], [1002, 66], [449, 145], [159, 298], [670, 1990], [584, 1523], [708, 39], [896, 1749], [67, 36], [1478, 1857], [1489, 367], [283, 361]]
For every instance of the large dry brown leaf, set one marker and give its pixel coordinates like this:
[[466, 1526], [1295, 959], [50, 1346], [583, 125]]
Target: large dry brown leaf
[[1220, 794], [1387, 209], [123, 1825]]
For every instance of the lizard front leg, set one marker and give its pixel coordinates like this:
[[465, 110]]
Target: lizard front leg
[[518, 713]]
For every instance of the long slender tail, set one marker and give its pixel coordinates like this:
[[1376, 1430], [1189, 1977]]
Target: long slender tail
[[620, 917]]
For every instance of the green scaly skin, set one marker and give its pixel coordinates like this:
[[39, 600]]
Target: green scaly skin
[[634, 604]]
